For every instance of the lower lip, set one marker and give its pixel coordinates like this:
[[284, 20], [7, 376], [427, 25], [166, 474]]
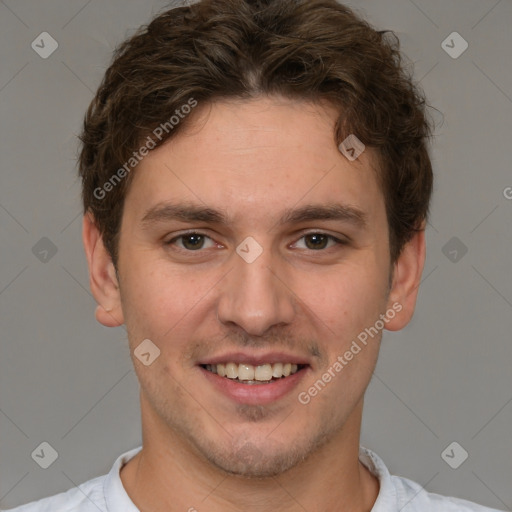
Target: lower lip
[[255, 394]]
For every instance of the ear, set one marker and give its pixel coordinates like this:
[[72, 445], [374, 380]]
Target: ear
[[102, 275], [406, 281]]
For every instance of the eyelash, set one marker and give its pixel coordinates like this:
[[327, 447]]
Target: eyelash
[[198, 233]]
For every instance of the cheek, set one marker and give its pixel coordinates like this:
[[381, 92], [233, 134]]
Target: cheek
[[165, 305], [153, 301], [345, 300]]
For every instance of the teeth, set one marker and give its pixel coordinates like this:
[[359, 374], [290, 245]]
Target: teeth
[[277, 370], [245, 372], [248, 372], [232, 371], [263, 372], [221, 369]]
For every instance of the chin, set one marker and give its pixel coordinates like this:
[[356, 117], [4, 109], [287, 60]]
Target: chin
[[252, 462], [265, 458]]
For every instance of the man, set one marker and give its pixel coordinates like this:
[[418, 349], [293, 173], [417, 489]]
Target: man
[[256, 184]]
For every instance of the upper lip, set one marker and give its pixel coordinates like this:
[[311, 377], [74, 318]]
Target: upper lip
[[255, 359]]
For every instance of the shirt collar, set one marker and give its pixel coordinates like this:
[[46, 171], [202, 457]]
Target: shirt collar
[[387, 499], [116, 496]]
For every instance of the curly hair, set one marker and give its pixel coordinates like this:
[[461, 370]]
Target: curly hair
[[301, 49]]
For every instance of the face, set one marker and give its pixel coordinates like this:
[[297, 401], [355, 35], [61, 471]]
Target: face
[[250, 246]]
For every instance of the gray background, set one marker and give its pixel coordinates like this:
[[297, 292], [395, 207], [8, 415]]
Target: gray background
[[69, 381]]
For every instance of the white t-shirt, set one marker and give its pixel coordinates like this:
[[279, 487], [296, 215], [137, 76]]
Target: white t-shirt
[[106, 493]]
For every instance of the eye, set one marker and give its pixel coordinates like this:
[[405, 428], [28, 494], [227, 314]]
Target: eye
[[319, 241], [191, 241], [195, 241]]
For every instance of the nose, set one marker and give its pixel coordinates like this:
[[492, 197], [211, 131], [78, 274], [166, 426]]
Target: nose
[[256, 296]]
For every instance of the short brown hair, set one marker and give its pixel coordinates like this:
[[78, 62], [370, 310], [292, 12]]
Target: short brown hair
[[301, 49]]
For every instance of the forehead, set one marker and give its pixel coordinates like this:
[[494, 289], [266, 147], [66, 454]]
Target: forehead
[[257, 157]]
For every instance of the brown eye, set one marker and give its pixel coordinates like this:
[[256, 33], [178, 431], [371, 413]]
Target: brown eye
[[316, 241], [191, 242]]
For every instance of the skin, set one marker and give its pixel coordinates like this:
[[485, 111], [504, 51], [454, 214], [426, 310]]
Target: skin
[[252, 160]]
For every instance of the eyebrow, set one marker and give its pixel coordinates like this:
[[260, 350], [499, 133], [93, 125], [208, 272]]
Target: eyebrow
[[189, 212]]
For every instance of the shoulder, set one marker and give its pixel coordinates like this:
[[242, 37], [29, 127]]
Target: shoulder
[[91, 496], [87, 497], [401, 494], [412, 497]]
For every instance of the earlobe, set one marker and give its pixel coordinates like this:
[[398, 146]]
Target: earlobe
[[406, 280], [102, 275]]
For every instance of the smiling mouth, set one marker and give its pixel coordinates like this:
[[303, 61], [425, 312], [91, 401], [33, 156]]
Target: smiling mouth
[[250, 374]]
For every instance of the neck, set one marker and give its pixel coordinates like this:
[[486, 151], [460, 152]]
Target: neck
[[168, 475]]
